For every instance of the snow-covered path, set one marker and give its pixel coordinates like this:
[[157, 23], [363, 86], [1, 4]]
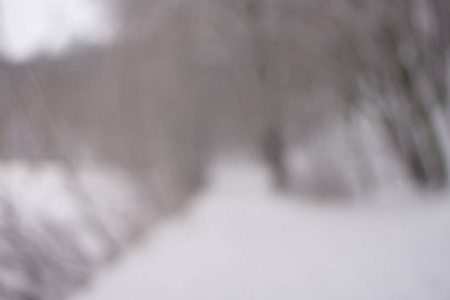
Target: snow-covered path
[[239, 241]]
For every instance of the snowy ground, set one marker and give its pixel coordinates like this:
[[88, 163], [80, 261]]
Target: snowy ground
[[240, 241]]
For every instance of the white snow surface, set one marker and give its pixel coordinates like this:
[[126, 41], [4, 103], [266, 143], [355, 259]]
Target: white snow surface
[[241, 241], [48, 192]]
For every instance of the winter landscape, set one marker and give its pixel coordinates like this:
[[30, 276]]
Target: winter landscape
[[224, 149]]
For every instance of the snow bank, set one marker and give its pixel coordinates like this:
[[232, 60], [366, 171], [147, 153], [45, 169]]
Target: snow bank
[[240, 241], [49, 193]]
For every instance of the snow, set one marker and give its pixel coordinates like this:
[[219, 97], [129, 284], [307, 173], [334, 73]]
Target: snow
[[239, 240], [45, 193], [48, 192]]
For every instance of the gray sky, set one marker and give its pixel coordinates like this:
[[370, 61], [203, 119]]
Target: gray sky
[[31, 27]]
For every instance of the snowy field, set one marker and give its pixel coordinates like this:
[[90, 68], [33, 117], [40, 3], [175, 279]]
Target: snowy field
[[240, 241]]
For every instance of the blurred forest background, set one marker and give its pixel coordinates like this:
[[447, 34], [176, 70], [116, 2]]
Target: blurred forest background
[[337, 98]]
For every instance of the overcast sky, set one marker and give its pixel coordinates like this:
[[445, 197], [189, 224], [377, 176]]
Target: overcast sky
[[30, 27]]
